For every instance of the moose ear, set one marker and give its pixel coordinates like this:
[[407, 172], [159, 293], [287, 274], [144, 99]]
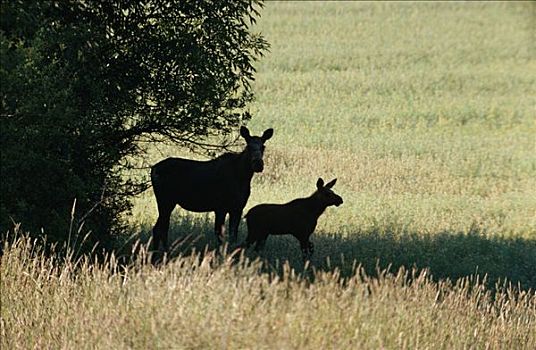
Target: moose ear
[[244, 132], [319, 183], [331, 183], [268, 133]]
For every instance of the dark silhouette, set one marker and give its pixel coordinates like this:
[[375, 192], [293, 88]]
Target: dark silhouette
[[298, 217], [221, 185]]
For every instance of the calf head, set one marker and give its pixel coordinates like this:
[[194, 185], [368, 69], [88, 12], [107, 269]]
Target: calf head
[[255, 147], [326, 194]]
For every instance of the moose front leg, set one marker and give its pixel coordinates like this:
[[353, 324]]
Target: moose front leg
[[307, 249], [234, 222]]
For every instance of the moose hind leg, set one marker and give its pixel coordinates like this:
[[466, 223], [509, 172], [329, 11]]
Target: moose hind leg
[[156, 235], [161, 228], [307, 249]]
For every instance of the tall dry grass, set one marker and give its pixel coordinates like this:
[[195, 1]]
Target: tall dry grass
[[202, 301]]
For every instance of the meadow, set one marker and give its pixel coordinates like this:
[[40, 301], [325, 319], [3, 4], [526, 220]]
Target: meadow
[[425, 113]]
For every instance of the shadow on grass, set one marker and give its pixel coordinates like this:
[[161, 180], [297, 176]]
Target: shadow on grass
[[451, 255]]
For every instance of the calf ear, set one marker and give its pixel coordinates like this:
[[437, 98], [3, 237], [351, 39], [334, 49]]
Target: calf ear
[[319, 183], [331, 183], [268, 133], [244, 132]]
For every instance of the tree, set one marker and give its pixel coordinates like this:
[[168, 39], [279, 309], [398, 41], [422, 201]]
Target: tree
[[84, 81]]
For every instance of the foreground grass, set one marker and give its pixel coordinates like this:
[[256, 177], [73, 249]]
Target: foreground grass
[[202, 302]]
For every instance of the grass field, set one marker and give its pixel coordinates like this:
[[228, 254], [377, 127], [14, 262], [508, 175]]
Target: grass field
[[425, 112]]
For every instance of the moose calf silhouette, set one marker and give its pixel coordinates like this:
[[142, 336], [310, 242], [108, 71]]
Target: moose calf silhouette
[[221, 185], [298, 217]]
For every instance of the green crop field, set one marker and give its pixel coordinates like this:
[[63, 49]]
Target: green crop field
[[426, 115]]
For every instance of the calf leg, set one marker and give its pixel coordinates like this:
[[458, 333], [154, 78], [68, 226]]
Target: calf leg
[[260, 243], [250, 239], [254, 237]]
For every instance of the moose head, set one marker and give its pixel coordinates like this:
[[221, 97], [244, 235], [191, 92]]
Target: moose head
[[255, 147], [326, 194]]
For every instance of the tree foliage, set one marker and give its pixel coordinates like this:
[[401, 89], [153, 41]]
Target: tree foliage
[[84, 81]]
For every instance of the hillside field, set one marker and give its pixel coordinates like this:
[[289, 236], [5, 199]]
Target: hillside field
[[425, 113]]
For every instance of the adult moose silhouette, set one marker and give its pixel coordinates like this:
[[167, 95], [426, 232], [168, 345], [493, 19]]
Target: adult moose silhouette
[[221, 185]]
